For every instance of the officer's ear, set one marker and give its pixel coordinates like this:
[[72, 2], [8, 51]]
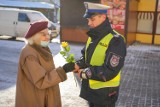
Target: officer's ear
[[104, 16]]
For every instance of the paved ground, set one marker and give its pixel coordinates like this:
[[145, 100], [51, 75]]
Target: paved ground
[[140, 83], [141, 77]]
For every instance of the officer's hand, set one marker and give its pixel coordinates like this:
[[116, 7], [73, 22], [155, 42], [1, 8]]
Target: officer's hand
[[69, 67], [76, 68]]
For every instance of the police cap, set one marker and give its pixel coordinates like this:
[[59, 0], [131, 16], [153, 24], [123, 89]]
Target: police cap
[[94, 8]]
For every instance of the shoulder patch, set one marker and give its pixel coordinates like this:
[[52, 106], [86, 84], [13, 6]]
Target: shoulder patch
[[114, 61]]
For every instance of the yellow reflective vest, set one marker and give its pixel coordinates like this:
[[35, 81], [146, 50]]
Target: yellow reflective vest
[[97, 59]]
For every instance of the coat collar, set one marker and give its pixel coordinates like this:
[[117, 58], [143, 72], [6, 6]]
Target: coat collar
[[100, 31], [45, 53]]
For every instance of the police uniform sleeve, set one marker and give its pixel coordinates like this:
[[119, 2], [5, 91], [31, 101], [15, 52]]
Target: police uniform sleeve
[[114, 61]]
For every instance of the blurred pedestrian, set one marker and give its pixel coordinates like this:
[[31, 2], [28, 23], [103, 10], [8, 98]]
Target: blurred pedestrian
[[102, 59], [38, 79]]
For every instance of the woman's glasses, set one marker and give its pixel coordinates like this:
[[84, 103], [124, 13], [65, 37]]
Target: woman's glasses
[[45, 34]]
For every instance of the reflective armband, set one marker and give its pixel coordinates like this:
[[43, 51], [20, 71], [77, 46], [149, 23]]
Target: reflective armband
[[86, 73]]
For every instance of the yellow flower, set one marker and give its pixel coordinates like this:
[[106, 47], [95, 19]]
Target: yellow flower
[[65, 52], [64, 44]]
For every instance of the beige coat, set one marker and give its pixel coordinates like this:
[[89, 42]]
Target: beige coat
[[38, 79]]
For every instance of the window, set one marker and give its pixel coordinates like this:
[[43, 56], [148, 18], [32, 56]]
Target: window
[[23, 17], [37, 16]]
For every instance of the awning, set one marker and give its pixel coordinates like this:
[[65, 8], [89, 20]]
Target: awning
[[23, 4]]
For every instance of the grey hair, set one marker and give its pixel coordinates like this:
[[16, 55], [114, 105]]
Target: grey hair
[[34, 39]]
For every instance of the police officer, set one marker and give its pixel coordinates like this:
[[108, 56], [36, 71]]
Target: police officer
[[102, 59]]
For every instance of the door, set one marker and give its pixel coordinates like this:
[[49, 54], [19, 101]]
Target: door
[[157, 33], [22, 24], [131, 21], [8, 20]]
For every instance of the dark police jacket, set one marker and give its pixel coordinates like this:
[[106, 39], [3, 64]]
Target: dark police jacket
[[117, 46]]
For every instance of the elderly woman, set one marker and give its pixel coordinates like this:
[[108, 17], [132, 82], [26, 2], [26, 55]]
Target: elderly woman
[[38, 79]]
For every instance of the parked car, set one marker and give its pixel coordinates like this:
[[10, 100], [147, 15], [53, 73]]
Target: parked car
[[15, 22], [55, 30]]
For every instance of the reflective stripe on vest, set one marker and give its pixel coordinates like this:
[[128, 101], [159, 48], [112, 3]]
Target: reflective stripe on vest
[[97, 59]]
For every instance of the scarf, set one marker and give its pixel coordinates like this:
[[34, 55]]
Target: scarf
[[44, 52]]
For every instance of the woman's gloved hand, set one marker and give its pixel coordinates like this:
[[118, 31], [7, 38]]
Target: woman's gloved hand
[[69, 67]]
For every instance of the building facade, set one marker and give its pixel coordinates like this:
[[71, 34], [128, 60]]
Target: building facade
[[137, 20], [142, 19]]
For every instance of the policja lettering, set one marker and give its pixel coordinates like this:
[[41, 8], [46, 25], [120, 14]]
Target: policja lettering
[[103, 44]]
